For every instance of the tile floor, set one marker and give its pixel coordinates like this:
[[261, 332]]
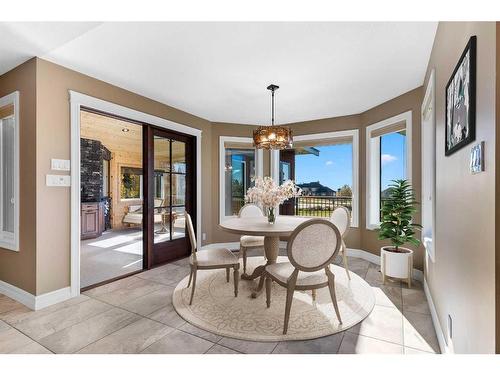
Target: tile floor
[[116, 253], [135, 315]]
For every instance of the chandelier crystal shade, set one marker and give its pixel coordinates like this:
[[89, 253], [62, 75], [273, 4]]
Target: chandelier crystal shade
[[273, 137]]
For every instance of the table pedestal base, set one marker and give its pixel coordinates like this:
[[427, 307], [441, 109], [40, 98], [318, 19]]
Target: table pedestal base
[[271, 248]]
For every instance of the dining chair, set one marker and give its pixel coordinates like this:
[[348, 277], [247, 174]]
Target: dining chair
[[210, 259], [341, 217], [250, 242], [311, 248]]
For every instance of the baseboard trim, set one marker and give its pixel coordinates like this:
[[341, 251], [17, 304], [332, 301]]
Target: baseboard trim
[[18, 294], [445, 349], [51, 298], [31, 301], [355, 253]]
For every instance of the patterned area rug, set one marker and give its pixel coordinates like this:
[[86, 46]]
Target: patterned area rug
[[215, 309]]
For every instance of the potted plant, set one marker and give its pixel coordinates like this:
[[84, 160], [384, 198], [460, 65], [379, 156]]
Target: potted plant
[[396, 225]]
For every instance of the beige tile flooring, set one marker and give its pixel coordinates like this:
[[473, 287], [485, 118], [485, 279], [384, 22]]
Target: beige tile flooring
[[135, 315]]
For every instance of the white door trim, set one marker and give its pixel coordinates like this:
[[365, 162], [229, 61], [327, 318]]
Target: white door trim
[[78, 100], [428, 148]]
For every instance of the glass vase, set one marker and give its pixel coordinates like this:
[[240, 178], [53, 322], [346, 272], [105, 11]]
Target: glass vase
[[271, 217]]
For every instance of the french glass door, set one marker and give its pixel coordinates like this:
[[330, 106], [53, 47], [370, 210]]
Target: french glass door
[[171, 173]]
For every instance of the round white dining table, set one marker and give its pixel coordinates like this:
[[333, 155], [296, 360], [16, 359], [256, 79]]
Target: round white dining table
[[259, 226]]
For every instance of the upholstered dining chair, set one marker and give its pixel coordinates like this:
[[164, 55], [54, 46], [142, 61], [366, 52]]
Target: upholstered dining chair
[[250, 242], [311, 248], [341, 217], [210, 259]]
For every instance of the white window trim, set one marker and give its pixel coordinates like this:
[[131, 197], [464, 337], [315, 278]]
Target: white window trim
[[78, 100], [428, 114], [8, 240], [259, 169], [355, 163], [373, 165]]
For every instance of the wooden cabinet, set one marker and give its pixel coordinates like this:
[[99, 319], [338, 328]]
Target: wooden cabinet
[[92, 220]]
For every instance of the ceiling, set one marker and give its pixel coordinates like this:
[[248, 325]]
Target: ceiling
[[220, 71], [125, 137]]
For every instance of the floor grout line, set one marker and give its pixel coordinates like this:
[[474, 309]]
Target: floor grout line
[[31, 338], [220, 339]]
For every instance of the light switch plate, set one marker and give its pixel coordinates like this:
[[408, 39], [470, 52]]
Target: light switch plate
[[60, 164], [58, 180]]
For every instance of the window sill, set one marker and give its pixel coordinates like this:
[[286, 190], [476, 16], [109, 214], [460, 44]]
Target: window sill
[[8, 245]]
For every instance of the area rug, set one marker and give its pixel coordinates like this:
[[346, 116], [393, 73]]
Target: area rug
[[215, 309]]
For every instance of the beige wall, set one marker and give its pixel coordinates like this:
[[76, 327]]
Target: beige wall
[[19, 268], [53, 141], [497, 191], [462, 278]]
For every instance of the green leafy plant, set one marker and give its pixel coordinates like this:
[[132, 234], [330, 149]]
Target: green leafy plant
[[397, 213]]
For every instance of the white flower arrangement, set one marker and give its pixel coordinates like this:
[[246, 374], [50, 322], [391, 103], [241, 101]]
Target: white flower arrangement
[[270, 195]]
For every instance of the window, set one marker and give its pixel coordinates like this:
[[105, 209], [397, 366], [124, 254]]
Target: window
[[239, 163], [9, 171], [392, 161], [325, 167], [388, 152], [130, 183]]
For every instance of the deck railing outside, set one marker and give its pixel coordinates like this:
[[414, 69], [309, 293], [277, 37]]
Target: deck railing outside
[[321, 206]]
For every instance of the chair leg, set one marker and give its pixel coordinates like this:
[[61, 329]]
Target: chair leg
[[344, 258], [194, 286], [243, 251], [190, 278], [331, 286], [227, 274], [288, 307], [269, 284], [314, 294], [236, 275]]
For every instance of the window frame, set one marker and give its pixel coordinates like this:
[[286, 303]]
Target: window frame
[[259, 169], [8, 240], [428, 154], [354, 133], [373, 165]]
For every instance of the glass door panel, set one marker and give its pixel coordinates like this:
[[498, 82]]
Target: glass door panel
[[171, 193]]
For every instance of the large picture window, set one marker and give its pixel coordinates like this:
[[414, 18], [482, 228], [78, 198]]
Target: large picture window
[[325, 167], [9, 171], [388, 153], [239, 164]]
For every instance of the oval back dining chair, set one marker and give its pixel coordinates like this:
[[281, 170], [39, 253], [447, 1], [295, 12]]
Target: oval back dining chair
[[311, 248], [250, 242], [341, 217], [210, 259]]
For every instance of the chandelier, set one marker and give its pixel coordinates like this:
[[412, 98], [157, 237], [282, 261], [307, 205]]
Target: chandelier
[[273, 137]]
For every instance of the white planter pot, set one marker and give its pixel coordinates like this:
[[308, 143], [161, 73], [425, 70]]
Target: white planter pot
[[398, 265]]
